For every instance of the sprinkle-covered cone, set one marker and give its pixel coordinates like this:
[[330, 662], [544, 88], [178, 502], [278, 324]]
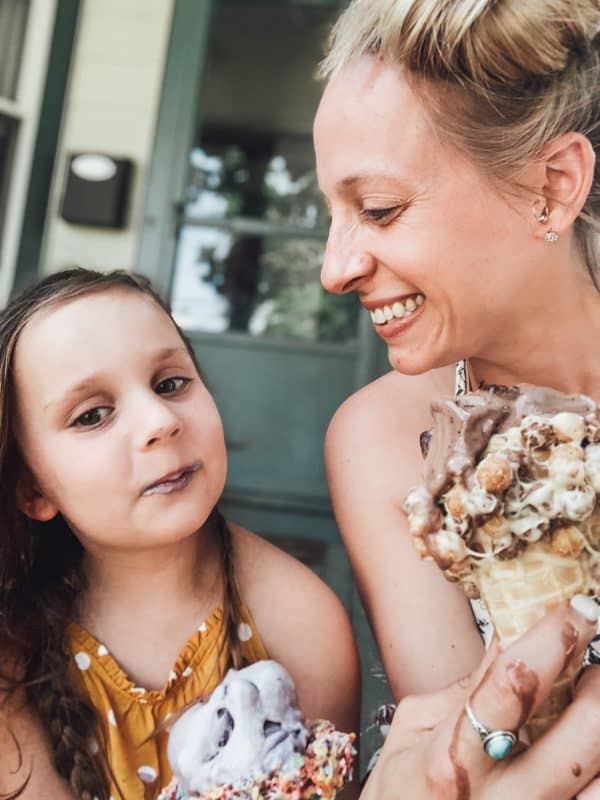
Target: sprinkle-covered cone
[[517, 593]]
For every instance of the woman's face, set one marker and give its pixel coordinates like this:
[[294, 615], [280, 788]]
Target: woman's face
[[439, 257], [114, 423]]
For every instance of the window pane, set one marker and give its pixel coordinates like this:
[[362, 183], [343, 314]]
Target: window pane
[[13, 21], [256, 283], [253, 226], [250, 176]]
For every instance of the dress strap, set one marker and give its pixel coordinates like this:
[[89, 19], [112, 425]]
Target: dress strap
[[461, 378]]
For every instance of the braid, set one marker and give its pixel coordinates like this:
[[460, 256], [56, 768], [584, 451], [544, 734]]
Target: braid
[[68, 720], [232, 605], [45, 599]]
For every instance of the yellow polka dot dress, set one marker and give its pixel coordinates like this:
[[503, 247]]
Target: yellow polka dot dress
[[130, 714]]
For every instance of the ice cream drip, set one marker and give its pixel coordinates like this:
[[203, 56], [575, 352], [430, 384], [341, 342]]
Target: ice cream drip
[[504, 468]]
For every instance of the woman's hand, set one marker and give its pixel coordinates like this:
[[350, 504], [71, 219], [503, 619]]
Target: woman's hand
[[433, 752]]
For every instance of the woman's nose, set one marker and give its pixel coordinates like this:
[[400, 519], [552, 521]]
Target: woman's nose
[[346, 265]]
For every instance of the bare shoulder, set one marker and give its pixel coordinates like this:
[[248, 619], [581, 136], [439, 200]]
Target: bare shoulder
[[372, 444], [373, 458], [393, 404], [303, 625]]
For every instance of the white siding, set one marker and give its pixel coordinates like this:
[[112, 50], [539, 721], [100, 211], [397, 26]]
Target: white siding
[[111, 107]]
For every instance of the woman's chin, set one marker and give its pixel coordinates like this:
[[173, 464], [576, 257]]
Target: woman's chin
[[415, 363]]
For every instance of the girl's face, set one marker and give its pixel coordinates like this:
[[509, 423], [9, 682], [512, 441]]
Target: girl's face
[[443, 261], [120, 435]]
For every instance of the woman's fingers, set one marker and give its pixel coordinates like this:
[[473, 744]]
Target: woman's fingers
[[418, 715], [572, 747], [513, 686]]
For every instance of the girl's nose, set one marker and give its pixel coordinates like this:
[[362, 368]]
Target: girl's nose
[[159, 423], [346, 265]]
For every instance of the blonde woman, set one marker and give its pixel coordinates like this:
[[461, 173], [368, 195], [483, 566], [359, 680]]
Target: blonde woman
[[456, 147]]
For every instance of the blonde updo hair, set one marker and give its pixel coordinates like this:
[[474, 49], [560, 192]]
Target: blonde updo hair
[[500, 78]]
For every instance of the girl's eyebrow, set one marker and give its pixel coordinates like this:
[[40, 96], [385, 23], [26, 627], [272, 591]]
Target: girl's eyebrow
[[91, 381], [83, 386], [167, 352]]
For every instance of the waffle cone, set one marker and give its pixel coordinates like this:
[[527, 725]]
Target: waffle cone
[[517, 593]]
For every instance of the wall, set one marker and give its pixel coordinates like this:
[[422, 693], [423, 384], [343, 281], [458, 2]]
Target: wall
[[111, 107]]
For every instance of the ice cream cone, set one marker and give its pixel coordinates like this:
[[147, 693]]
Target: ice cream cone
[[517, 593], [510, 508]]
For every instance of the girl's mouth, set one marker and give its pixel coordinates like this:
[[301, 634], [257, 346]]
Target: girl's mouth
[[173, 482]]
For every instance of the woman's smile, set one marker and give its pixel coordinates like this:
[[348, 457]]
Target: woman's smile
[[393, 316]]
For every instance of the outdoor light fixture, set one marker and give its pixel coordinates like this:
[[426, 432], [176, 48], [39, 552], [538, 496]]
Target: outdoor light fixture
[[96, 190]]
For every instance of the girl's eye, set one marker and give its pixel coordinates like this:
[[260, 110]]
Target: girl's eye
[[91, 418], [171, 385]]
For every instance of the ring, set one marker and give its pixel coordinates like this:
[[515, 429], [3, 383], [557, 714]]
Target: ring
[[496, 744]]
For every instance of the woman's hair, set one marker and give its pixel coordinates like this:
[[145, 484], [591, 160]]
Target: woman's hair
[[499, 78], [41, 572]]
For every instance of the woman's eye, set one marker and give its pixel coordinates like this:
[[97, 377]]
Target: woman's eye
[[92, 417], [380, 214], [171, 385]]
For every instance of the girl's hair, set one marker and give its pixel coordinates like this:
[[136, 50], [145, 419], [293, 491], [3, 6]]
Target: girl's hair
[[499, 78], [41, 572]]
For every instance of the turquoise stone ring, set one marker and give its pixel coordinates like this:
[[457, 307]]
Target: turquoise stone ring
[[496, 744], [499, 744]]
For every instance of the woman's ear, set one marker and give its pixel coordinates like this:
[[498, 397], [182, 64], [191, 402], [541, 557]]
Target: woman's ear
[[32, 501], [568, 162]]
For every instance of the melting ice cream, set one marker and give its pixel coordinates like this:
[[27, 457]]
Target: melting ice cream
[[250, 725], [249, 741], [510, 506]]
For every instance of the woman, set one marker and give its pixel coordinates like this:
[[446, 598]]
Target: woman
[[456, 147]]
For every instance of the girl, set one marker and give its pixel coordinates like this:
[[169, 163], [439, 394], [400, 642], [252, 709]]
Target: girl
[[124, 594]]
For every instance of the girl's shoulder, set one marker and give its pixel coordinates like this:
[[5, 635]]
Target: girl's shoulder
[[302, 624], [279, 589]]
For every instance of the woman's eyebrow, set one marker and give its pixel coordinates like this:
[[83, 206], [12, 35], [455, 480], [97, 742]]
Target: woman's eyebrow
[[369, 177], [366, 178]]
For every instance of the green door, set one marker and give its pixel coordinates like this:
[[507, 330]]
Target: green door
[[234, 235]]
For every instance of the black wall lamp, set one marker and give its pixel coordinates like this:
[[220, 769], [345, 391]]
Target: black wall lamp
[[97, 190]]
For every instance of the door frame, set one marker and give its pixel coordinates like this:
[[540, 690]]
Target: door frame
[[175, 129]]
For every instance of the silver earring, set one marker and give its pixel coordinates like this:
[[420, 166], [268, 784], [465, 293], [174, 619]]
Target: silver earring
[[551, 236], [544, 216]]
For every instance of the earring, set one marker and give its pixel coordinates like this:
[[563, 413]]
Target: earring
[[544, 216], [551, 236]]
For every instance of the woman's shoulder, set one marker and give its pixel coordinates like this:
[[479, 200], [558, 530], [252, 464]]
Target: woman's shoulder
[[400, 400], [383, 420]]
